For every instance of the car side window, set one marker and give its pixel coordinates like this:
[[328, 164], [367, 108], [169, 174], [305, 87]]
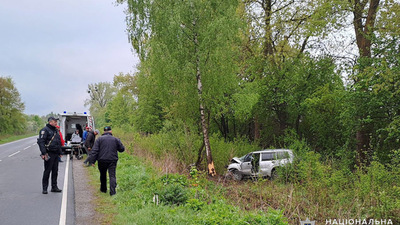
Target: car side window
[[283, 155], [267, 156]]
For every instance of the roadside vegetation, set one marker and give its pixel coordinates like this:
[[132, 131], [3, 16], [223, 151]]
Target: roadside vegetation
[[147, 195], [14, 124], [221, 78], [309, 188], [10, 138]]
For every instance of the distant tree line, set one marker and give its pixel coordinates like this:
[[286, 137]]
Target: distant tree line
[[327, 72]]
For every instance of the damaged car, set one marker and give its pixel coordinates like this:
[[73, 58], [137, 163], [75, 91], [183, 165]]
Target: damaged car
[[260, 163]]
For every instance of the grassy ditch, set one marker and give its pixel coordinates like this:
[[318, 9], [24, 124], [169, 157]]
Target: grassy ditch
[[146, 195], [310, 188]]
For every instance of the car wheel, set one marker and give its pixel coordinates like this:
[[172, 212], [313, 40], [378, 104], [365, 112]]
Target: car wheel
[[237, 175], [274, 174]]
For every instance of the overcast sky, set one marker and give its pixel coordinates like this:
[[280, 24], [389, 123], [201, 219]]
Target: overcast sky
[[53, 49]]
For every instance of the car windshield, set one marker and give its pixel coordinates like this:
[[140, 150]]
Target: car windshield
[[246, 158]]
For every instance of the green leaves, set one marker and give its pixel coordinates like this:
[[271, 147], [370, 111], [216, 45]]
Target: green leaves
[[12, 119]]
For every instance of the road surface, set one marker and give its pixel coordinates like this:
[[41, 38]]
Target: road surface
[[21, 198]]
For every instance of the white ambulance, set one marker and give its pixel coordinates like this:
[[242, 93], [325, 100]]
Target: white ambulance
[[69, 122]]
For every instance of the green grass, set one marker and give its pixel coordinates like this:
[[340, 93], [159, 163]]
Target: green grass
[[194, 200], [10, 138], [310, 188]]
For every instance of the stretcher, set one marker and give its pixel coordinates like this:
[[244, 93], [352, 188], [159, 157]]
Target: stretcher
[[73, 149]]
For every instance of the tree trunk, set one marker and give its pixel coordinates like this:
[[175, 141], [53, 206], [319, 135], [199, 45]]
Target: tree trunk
[[256, 129], [363, 147], [363, 34], [200, 156], [204, 124], [364, 31], [268, 44]]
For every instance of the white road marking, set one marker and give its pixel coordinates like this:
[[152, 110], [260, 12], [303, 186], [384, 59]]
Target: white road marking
[[27, 147], [63, 213], [14, 154]]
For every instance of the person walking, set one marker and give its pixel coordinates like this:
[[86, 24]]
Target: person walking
[[89, 142], [49, 142], [105, 151]]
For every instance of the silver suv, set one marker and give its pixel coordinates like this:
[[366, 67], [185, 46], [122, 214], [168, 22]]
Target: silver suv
[[260, 163]]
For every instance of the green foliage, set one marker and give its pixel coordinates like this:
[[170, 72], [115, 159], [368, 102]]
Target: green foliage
[[195, 204], [12, 119], [173, 194], [174, 179], [371, 192], [260, 77], [100, 95], [224, 151]]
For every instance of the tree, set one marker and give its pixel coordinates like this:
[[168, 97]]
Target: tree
[[12, 119], [100, 95], [373, 23], [189, 53], [277, 33]]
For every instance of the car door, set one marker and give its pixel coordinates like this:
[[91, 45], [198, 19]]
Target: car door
[[246, 164], [267, 163]]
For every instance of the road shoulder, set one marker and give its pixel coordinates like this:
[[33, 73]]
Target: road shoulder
[[84, 196]]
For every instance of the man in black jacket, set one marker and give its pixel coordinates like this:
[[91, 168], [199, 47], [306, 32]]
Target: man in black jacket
[[49, 142], [89, 142], [105, 151]]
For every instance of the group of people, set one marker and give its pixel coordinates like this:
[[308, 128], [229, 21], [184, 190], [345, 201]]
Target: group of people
[[104, 150]]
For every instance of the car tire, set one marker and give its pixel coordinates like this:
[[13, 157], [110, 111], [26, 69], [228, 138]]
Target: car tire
[[274, 174], [236, 175]]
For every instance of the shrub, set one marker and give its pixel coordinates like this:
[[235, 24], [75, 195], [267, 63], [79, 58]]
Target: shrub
[[173, 194]]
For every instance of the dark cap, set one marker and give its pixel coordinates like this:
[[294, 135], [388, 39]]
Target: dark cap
[[51, 118], [107, 128]]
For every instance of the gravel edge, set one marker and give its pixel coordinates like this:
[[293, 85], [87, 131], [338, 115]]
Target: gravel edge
[[85, 213]]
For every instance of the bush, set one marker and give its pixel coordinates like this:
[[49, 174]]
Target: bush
[[173, 194]]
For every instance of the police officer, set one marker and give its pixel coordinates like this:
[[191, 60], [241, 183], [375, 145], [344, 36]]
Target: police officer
[[49, 142], [105, 151]]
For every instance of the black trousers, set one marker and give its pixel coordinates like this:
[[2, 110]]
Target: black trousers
[[50, 166], [111, 167]]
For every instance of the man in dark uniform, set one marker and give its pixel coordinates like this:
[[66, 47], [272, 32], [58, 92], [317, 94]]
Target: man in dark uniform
[[105, 151], [49, 142], [89, 142]]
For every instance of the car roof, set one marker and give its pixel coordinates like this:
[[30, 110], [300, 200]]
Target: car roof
[[273, 150]]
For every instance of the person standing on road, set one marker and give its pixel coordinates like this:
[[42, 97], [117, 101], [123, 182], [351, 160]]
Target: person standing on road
[[49, 142], [91, 137], [62, 141], [105, 151]]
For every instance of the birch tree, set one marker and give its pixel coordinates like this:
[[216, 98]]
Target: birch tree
[[189, 51]]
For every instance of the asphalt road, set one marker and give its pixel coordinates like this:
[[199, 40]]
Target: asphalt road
[[21, 198]]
